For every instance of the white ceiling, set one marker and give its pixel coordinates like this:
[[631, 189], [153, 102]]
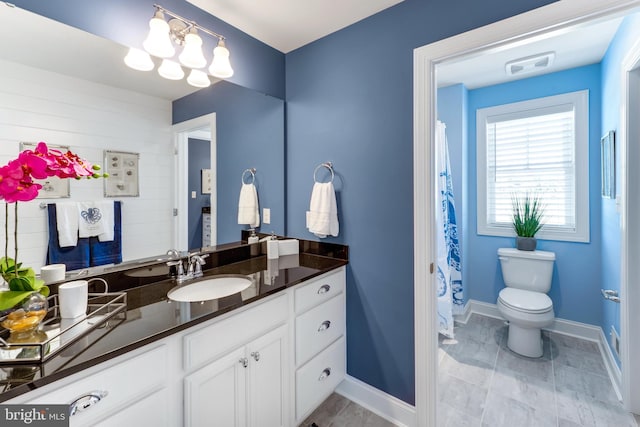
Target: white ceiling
[[580, 45], [289, 24]]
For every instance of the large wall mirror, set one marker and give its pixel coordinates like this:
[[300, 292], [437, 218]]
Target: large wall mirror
[[68, 87]]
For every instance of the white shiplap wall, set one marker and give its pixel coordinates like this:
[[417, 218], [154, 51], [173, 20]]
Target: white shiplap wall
[[37, 105]]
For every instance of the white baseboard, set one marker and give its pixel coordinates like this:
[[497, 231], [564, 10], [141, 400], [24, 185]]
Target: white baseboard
[[380, 403], [560, 326]]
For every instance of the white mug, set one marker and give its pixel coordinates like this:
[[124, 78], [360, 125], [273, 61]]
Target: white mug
[[72, 299], [53, 273]]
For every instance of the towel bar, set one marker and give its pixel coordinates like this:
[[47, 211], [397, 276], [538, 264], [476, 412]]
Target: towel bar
[[43, 205]]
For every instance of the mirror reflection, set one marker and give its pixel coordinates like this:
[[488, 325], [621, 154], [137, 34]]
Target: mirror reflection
[[67, 87]]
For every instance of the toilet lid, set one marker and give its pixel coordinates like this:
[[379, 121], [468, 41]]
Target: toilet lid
[[529, 301]]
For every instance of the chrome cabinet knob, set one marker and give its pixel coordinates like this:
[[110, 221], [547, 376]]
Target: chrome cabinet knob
[[244, 362], [255, 355]]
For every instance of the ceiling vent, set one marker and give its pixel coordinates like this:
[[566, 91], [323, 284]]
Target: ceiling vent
[[529, 64]]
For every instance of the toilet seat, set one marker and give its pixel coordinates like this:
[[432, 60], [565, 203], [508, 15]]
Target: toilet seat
[[525, 301]]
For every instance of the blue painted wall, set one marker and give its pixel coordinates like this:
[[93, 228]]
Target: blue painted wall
[[575, 290], [350, 100], [452, 111], [256, 65], [250, 134], [628, 33], [199, 158]]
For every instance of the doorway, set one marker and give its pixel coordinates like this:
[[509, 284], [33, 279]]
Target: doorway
[[539, 23], [201, 128]]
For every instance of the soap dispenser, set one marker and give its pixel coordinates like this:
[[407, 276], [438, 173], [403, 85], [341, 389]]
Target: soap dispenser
[[253, 238]]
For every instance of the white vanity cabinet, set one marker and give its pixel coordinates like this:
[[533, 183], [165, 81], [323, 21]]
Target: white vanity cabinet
[[268, 364], [246, 387], [133, 389], [245, 377], [320, 349]]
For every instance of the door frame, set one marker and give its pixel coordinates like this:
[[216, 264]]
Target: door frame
[[630, 243], [538, 23], [181, 133]]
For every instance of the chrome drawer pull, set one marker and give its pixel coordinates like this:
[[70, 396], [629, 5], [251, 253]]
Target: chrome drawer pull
[[324, 325], [85, 402], [323, 289], [325, 374]]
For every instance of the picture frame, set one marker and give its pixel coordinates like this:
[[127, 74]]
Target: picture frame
[[206, 181], [52, 187], [608, 165], [123, 171]]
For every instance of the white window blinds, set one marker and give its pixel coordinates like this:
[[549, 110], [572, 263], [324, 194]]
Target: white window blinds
[[538, 147], [532, 154]]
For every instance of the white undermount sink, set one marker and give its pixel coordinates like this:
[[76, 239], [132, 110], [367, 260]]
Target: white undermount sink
[[208, 289]]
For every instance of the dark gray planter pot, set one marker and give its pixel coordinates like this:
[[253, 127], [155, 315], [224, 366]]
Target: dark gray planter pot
[[526, 243]]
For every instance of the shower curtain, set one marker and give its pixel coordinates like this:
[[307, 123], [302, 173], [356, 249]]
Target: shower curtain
[[449, 274]]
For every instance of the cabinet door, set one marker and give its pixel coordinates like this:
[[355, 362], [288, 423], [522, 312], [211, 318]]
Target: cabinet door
[[215, 395], [268, 379]]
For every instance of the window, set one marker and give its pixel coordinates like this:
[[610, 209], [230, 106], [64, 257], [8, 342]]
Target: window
[[541, 147]]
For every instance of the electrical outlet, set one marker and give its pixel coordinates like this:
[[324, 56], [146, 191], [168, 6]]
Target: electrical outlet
[[266, 215]]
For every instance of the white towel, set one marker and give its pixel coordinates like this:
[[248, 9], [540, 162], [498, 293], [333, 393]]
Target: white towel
[[248, 212], [96, 219], [67, 223], [322, 216]]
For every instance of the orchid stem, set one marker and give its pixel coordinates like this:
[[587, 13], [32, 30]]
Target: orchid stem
[[15, 237]]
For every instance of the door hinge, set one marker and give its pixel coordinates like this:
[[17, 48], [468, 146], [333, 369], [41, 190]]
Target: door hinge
[[431, 268], [175, 211]]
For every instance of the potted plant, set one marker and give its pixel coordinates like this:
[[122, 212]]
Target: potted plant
[[527, 221]]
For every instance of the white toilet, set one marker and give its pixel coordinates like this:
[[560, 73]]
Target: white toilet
[[524, 301]]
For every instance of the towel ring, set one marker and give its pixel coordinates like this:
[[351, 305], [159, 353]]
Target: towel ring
[[327, 165], [252, 174]]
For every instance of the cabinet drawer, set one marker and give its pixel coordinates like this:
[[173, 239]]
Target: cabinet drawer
[[316, 291], [318, 378], [207, 343], [319, 327], [126, 383]]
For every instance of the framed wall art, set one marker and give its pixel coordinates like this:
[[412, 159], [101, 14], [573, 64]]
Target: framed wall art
[[608, 166], [122, 168], [52, 187]]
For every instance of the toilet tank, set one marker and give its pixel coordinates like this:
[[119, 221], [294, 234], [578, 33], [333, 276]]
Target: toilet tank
[[528, 270]]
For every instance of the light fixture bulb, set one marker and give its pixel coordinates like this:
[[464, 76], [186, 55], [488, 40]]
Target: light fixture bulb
[[198, 78], [192, 55], [158, 42], [170, 70], [138, 60], [220, 66]]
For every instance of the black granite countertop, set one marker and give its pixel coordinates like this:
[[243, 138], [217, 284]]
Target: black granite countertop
[[151, 316]]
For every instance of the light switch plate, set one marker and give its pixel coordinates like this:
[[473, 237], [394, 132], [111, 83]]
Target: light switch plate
[[266, 215], [193, 194]]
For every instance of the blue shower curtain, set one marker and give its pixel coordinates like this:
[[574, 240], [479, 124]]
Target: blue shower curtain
[[449, 272]]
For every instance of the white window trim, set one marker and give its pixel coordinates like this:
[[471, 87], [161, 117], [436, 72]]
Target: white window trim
[[580, 100]]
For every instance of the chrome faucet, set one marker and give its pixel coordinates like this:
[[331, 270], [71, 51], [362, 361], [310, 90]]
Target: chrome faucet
[[195, 262]]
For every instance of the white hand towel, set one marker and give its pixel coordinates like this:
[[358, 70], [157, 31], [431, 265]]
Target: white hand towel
[[248, 212], [322, 216], [96, 218], [67, 223]]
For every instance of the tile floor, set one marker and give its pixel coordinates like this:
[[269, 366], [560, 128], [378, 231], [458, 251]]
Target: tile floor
[[338, 411], [483, 383]]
